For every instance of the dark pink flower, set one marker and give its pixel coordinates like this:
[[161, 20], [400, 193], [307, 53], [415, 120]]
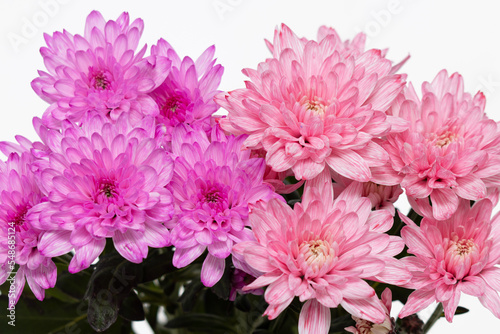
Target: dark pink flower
[[99, 72], [187, 94], [19, 239], [103, 180], [213, 185]]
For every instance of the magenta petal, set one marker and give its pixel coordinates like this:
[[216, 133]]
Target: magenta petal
[[85, 255], [55, 243], [131, 245], [212, 270], [314, 318], [184, 256]]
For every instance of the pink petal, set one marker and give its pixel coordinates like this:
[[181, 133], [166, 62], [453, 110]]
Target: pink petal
[[212, 270], [444, 203], [86, 254], [314, 318], [349, 164]]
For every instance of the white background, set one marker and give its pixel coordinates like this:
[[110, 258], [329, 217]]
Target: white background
[[461, 36]]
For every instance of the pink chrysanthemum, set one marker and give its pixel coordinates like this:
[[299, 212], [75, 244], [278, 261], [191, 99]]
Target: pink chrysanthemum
[[367, 327], [451, 149], [381, 196], [187, 94], [103, 180], [20, 258], [321, 251], [460, 254], [316, 104], [214, 182], [99, 71]]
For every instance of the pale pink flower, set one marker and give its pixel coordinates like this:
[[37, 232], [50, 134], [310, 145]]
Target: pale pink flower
[[322, 251], [451, 149], [454, 256], [316, 104], [103, 180], [99, 72], [187, 94], [19, 239], [367, 327]]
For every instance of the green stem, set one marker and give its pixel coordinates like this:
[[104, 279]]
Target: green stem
[[69, 324], [434, 317]]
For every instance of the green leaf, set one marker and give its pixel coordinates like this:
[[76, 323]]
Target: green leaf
[[51, 316], [202, 322], [190, 296], [461, 310], [111, 282], [73, 285], [157, 264], [131, 308], [223, 287]]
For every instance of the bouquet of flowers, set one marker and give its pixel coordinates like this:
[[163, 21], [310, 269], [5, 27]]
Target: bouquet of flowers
[[275, 215]]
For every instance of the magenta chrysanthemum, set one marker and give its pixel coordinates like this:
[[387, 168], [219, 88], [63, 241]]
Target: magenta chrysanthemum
[[454, 256], [213, 184], [321, 251], [186, 96], [316, 104], [104, 180], [451, 149], [99, 71], [19, 252]]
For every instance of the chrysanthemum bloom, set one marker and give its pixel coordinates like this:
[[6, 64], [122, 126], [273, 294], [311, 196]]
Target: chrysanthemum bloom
[[454, 256], [321, 251], [316, 104], [451, 149], [103, 180], [19, 251], [277, 179], [99, 71], [367, 327], [187, 94], [214, 182], [381, 196]]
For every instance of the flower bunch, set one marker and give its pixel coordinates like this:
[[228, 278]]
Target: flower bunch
[[283, 205]]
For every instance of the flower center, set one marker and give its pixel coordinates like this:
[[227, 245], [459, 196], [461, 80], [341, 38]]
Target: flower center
[[215, 196], [316, 252], [108, 188], [444, 139], [174, 108], [317, 105], [463, 247], [100, 80], [20, 216], [460, 256], [367, 327], [171, 104]]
